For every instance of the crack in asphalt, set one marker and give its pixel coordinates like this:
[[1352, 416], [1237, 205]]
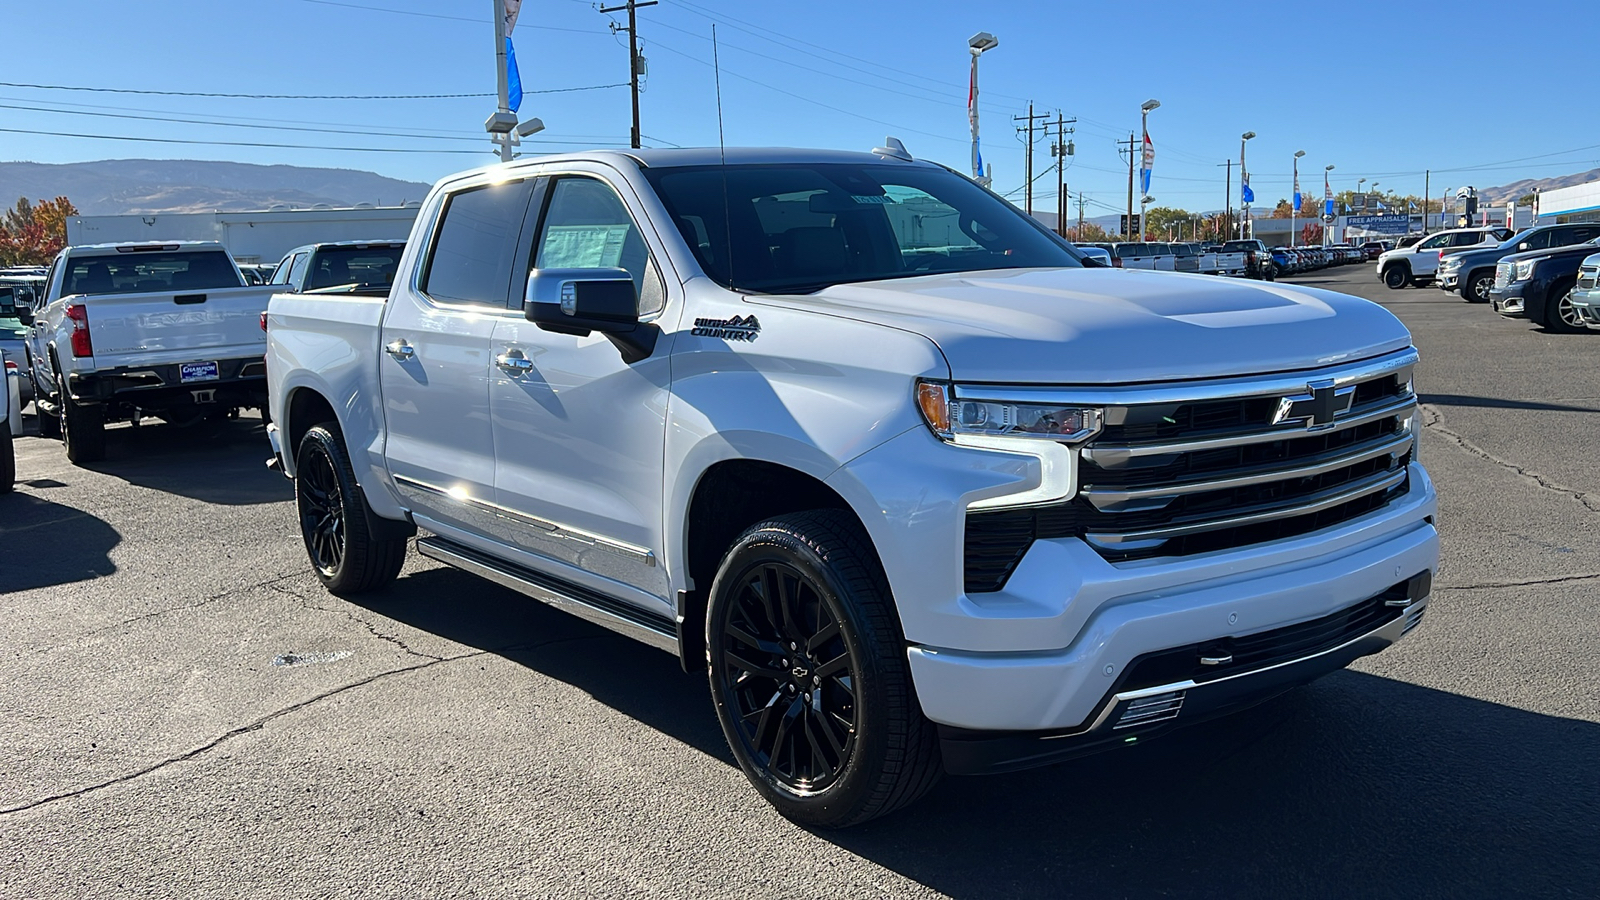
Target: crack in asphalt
[[259, 723], [371, 629], [1519, 582], [267, 583], [1433, 419]]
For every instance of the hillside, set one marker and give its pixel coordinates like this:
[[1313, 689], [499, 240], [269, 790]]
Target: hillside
[[1527, 185], [124, 186]]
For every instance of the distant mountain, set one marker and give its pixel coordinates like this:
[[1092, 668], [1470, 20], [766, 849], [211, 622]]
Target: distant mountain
[[139, 186], [1526, 186]]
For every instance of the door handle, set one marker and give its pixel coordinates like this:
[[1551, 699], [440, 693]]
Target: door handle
[[400, 350], [513, 362]]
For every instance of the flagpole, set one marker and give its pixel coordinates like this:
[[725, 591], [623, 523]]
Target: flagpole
[[501, 87]]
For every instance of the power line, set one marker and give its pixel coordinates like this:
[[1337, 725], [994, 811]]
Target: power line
[[106, 90], [408, 12], [345, 131], [155, 140]]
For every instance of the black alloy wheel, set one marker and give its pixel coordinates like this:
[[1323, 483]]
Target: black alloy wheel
[[809, 674], [1396, 277], [789, 676], [1477, 290], [321, 502], [336, 522]]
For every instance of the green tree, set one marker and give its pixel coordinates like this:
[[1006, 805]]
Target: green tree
[[1159, 220]]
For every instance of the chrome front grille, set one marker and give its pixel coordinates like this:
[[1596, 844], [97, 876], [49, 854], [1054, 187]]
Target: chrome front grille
[[1204, 466], [1587, 277]]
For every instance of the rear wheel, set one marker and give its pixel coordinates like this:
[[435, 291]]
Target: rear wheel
[[83, 430], [809, 673], [335, 519], [1477, 288], [1396, 277]]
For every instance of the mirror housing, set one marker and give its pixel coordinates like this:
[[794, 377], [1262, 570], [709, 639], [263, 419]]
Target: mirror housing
[[25, 315], [581, 301]]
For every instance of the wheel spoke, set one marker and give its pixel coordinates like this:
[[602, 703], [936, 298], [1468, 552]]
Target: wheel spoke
[[810, 726], [834, 666], [786, 605], [745, 665], [750, 640], [828, 633]]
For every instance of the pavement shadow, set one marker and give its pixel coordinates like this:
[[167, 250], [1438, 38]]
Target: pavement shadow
[[1356, 785], [642, 682], [215, 462], [44, 544], [1501, 403]]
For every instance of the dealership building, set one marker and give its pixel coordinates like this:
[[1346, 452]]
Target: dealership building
[[1579, 203], [262, 236]]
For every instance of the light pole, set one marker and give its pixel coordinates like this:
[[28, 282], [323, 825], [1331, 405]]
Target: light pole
[[1244, 179], [1147, 157], [1296, 201], [1327, 199], [978, 43], [1144, 201]]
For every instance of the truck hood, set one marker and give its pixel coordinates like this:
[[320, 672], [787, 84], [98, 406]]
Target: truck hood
[[1115, 326], [1577, 250]]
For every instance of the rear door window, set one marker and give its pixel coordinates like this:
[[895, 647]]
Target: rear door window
[[475, 249]]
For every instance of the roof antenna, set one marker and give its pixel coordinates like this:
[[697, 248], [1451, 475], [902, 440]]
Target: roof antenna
[[722, 153]]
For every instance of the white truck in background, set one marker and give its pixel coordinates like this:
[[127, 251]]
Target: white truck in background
[[125, 330]]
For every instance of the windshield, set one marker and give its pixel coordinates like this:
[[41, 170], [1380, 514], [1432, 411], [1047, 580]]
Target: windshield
[[338, 266], [10, 325], [135, 273], [799, 227]]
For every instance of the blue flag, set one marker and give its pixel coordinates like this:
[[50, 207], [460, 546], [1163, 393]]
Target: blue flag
[[1246, 194], [513, 78]]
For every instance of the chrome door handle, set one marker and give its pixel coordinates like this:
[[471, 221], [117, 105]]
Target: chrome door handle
[[400, 350], [514, 363]]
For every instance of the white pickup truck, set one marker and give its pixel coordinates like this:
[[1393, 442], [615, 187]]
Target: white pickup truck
[[126, 330], [920, 491], [1419, 262]]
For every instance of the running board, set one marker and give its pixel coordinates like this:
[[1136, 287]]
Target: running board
[[641, 625]]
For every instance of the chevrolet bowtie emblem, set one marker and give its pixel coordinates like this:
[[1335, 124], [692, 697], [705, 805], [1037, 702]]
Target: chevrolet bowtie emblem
[[1316, 408]]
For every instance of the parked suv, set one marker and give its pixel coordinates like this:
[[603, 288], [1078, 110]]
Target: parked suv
[[916, 499], [341, 267], [1417, 263], [1471, 273], [1538, 285]]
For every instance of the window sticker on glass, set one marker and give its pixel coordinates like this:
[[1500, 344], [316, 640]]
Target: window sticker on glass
[[873, 199], [582, 246]]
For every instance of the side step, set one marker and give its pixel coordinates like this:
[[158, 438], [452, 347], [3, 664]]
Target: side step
[[641, 625]]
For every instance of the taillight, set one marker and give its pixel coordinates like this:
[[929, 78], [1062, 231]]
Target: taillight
[[263, 320], [78, 314], [1116, 262], [12, 367]]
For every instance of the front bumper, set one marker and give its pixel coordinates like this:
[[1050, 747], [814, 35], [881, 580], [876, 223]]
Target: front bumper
[[1511, 300], [1448, 280], [1193, 683], [1586, 303]]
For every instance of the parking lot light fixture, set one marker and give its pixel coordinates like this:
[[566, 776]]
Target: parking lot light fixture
[[1292, 211], [977, 44]]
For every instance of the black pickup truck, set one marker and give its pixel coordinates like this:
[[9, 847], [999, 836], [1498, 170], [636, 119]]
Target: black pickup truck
[[1537, 285]]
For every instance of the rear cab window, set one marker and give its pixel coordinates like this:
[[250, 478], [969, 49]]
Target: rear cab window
[[140, 272]]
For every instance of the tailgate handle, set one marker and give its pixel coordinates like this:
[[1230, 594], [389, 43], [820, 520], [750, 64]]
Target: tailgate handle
[[185, 299]]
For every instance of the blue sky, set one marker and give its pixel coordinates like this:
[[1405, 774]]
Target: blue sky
[[1380, 90]]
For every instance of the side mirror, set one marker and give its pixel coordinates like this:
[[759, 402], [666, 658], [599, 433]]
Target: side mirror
[[1523, 246], [580, 301], [25, 315]]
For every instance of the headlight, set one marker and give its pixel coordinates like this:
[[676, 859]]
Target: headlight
[[1525, 269], [1453, 262], [1040, 430], [953, 419]]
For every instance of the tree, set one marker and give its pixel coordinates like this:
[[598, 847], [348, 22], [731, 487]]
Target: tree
[[1311, 235], [1089, 233], [1283, 210], [1158, 218], [32, 235]]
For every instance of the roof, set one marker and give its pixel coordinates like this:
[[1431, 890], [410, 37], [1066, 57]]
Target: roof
[[706, 156], [149, 245]]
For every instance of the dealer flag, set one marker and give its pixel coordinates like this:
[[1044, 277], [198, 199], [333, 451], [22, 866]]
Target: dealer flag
[[513, 77]]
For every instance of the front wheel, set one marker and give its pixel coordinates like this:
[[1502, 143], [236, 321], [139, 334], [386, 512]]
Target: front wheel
[[1477, 289], [335, 519], [8, 459], [1396, 277], [809, 674], [1560, 317]]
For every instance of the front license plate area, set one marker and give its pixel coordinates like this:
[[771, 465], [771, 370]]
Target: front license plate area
[[200, 371]]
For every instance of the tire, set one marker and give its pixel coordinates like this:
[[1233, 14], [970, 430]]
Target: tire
[[809, 674], [1396, 277], [1476, 290], [1559, 317], [335, 519], [8, 459], [83, 430], [49, 424]]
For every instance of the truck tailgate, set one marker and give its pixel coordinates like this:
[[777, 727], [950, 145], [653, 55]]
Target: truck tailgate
[[164, 327]]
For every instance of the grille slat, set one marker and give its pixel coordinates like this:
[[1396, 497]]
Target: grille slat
[[1195, 475]]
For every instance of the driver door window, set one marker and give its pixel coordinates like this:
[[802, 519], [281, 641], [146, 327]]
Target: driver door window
[[587, 226]]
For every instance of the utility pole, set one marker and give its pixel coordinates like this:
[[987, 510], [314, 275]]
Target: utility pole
[[1227, 201], [1080, 215], [1133, 149], [1427, 186], [1061, 149], [635, 61], [1028, 155]]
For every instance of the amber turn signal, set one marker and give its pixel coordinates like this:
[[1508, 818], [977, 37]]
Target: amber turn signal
[[935, 404]]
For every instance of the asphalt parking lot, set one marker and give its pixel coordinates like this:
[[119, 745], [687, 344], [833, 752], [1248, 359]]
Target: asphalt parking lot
[[187, 713]]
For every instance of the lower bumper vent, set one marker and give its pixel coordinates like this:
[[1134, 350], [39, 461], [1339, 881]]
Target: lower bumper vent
[[1148, 710]]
